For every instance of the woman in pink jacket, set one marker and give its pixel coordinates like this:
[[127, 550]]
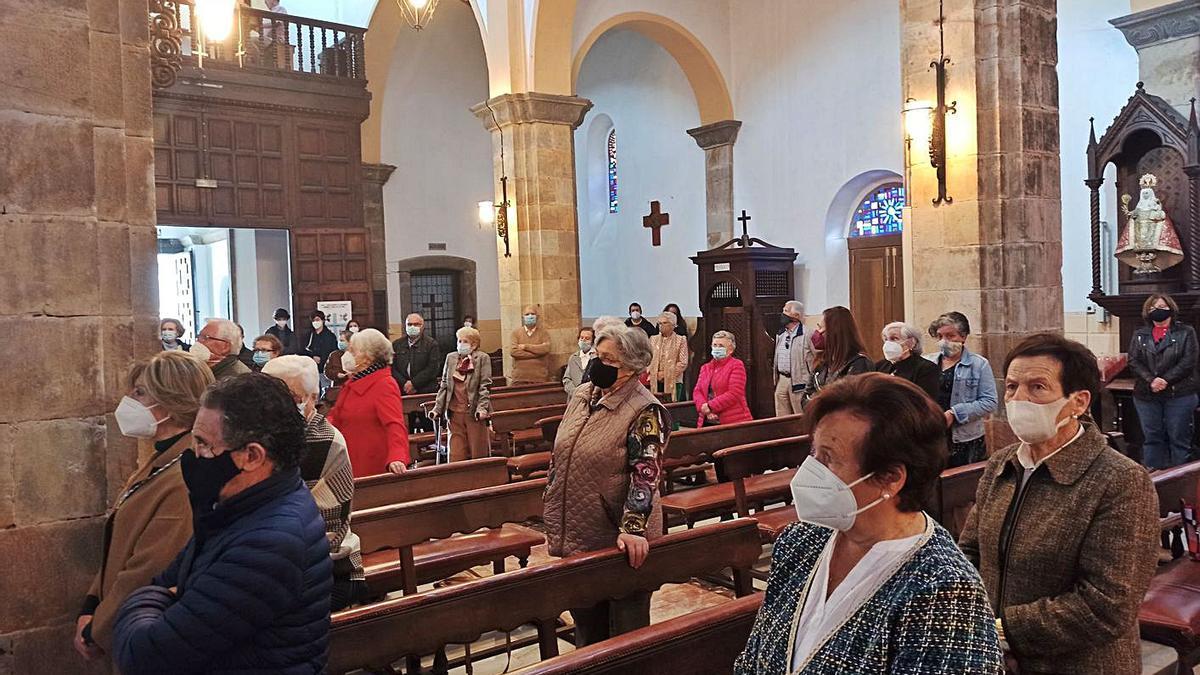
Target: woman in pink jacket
[[720, 392]]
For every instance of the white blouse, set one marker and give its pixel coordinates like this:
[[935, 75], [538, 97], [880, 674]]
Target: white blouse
[[822, 616]]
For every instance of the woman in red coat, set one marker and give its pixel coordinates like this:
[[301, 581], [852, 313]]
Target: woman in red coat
[[720, 392], [368, 411]]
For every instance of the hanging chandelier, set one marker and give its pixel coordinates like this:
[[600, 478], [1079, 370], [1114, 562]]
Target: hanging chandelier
[[418, 13]]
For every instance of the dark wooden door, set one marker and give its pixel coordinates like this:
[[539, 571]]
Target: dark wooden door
[[876, 286]]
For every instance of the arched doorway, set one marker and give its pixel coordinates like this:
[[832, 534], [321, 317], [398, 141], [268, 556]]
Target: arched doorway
[[876, 262]]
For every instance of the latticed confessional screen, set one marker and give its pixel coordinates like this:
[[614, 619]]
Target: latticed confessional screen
[[433, 297]]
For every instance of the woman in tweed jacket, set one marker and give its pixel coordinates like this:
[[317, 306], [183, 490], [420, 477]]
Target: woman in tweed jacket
[[866, 582], [1065, 529]]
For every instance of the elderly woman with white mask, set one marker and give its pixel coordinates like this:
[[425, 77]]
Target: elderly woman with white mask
[[325, 469], [866, 582], [902, 358]]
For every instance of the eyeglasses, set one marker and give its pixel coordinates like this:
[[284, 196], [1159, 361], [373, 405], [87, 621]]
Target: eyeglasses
[[206, 338]]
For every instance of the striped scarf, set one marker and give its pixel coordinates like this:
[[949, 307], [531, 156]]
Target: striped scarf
[[377, 366]]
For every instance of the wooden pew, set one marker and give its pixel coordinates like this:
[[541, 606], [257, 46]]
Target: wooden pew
[[954, 496], [741, 464], [705, 641], [415, 401], [429, 481], [404, 545], [1170, 610], [691, 450], [377, 635], [679, 411]]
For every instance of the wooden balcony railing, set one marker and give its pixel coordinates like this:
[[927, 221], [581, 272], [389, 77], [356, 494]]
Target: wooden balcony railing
[[279, 42]]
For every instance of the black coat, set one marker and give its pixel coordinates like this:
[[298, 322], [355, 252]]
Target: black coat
[[1173, 359], [285, 335], [253, 588], [651, 329], [320, 345], [921, 372], [422, 363], [823, 375]]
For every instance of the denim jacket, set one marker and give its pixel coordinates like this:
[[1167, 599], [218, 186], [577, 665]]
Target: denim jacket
[[973, 397]]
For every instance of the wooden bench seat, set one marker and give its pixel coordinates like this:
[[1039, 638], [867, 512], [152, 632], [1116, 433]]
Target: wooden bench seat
[[375, 636], [705, 641], [443, 558], [954, 496], [402, 529], [692, 449], [772, 522], [430, 481], [1170, 611], [720, 499]]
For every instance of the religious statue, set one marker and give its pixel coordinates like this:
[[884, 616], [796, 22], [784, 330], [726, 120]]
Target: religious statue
[[1149, 243]]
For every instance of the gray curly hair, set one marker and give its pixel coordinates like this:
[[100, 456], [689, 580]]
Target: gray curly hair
[[632, 343]]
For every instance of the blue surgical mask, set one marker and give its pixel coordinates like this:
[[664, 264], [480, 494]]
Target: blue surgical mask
[[412, 331], [169, 335], [261, 357], [342, 345], [464, 348], [719, 352], [531, 319], [585, 346]]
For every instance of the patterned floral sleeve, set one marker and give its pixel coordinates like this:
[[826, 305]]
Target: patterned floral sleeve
[[643, 452]]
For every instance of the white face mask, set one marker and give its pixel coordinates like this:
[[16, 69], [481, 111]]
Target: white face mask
[[468, 324], [135, 419], [348, 362], [201, 353], [464, 348], [821, 497], [1035, 422], [303, 408], [635, 315], [282, 323], [892, 350], [353, 329], [318, 325]]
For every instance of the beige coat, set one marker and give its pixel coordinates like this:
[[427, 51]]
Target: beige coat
[[1083, 550], [479, 384], [143, 535], [531, 364], [589, 471], [669, 362]]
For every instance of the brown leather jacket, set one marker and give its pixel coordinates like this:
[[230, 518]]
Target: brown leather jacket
[[1083, 547], [589, 477]]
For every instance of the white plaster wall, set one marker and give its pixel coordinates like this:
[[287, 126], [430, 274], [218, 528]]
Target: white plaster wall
[[1097, 72], [817, 86], [708, 20], [442, 153], [639, 89]]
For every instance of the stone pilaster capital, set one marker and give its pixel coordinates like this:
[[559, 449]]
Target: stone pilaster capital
[[1155, 26], [531, 107], [716, 134], [377, 174]]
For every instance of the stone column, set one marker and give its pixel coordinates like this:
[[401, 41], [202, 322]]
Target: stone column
[[536, 132], [717, 141], [375, 176], [78, 303], [1167, 40], [995, 252]]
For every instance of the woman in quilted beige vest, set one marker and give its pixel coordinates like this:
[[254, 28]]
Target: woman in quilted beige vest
[[603, 483]]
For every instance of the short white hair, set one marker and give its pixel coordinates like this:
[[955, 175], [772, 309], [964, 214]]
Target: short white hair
[[725, 335], [299, 373], [794, 305], [906, 332], [225, 329], [373, 345], [632, 344], [604, 322], [668, 317]]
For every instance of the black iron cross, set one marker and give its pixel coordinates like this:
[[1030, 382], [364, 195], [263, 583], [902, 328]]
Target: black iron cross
[[432, 307], [743, 219], [655, 222]]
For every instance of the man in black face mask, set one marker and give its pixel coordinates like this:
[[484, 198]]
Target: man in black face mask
[[253, 584]]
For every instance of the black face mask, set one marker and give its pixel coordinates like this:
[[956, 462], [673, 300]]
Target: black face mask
[[603, 375], [784, 320], [1159, 314], [205, 477]]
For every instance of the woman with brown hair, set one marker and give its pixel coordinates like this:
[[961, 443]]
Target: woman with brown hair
[[1163, 355], [841, 351], [151, 520]]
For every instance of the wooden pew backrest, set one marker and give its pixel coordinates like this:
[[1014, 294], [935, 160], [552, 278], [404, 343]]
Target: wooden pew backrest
[[382, 633], [431, 481], [528, 399], [739, 462], [508, 421], [1178, 482], [955, 491], [705, 641], [412, 402], [411, 523], [678, 410], [697, 445]]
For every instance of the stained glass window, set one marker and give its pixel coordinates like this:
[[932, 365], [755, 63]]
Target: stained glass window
[[881, 212], [612, 171]]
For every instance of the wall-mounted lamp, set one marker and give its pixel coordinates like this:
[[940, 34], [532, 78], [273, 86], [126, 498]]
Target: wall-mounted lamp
[[918, 121], [925, 122], [500, 210], [487, 214]]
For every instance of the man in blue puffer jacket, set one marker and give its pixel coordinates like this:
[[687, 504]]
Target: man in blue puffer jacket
[[250, 591]]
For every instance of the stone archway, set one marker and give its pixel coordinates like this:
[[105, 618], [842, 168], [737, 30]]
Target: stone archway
[[464, 268]]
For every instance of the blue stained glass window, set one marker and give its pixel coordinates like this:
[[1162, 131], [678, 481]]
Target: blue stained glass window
[[881, 212], [612, 171]]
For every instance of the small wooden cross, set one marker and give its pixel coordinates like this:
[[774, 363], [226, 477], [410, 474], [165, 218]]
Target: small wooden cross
[[655, 221], [743, 219]]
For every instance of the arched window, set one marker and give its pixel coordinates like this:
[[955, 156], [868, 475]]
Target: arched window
[[880, 212], [612, 171]]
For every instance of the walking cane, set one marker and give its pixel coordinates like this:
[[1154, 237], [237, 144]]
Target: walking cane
[[441, 445]]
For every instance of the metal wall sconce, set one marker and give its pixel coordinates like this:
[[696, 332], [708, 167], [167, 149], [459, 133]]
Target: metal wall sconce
[[925, 122]]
